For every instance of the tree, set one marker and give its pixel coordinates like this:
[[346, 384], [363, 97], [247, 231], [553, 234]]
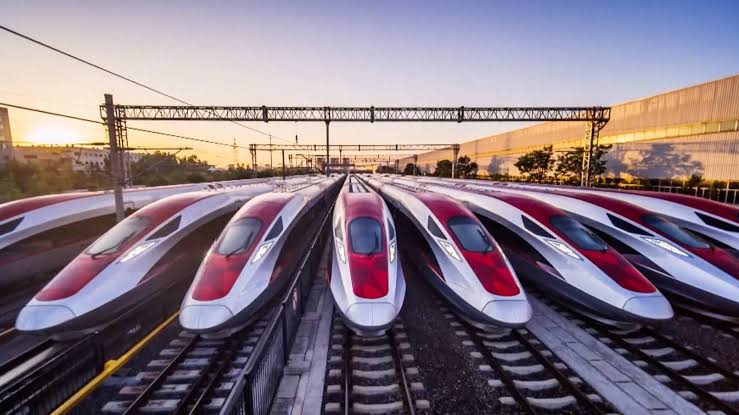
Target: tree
[[443, 168], [409, 170], [536, 164], [569, 164], [466, 168], [385, 169]]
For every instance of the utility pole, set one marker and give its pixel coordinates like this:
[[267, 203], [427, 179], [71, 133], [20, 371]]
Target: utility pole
[[283, 164], [270, 153], [114, 156], [415, 164], [235, 155], [327, 146]]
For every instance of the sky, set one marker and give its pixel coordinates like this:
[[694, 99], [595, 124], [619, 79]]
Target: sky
[[337, 53]]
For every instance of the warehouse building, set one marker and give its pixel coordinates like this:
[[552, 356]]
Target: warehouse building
[[690, 131]]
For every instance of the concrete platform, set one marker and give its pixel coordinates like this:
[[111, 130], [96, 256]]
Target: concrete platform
[[627, 387], [301, 388]]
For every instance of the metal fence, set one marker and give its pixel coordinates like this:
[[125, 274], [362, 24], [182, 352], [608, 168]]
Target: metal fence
[[65, 367], [258, 381]]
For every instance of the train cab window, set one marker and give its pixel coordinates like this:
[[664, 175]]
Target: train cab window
[[675, 232], [119, 235], [534, 228], [366, 236], [275, 231], [434, 229], [626, 226], [239, 236], [167, 229], [469, 234], [390, 230], [708, 220], [578, 234], [10, 226]]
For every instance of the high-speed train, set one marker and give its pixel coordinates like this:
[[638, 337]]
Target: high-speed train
[[42, 234], [549, 248], [367, 281], [254, 257], [155, 249], [689, 268], [458, 256]]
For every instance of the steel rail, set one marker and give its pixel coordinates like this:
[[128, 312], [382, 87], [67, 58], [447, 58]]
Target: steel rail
[[347, 371], [153, 385], [398, 357]]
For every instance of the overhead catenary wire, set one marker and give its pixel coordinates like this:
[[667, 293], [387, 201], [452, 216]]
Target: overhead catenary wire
[[143, 130], [123, 77]]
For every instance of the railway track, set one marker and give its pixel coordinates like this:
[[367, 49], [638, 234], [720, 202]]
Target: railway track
[[192, 374], [372, 375], [529, 378], [725, 328], [694, 377]]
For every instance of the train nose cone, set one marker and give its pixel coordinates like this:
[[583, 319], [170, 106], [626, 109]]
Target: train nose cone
[[204, 317], [509, 312], [41, 317], [372, 315], [652, 308]]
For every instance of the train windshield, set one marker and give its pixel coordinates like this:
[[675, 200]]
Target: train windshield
[[469, 234], [578, 234], [675, 232], [117, 236], [239, 236], [366, 236]]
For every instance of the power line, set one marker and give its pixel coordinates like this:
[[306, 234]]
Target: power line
[[125, 78], [56, 114]]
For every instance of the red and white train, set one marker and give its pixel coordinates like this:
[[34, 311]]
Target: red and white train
[[254, 257], [366, 279], [458, 257], [154, 250], [552, 250], [42, 234]]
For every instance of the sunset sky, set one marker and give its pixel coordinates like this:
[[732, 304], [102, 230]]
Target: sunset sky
[[350, 53]]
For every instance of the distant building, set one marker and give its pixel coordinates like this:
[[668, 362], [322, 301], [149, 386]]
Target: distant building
[[6, 139], [694, 130], [78, 158]]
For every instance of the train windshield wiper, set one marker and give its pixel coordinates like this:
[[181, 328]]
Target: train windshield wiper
[[233, 252], [101, 252]]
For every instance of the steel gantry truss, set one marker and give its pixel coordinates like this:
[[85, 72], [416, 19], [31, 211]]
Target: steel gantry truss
[[597, 117]]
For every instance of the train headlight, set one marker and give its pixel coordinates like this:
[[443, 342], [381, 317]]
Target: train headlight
[[563, 249], [392, 252], [261, 251], [137, 251], [450, 250], [665, 245], [340, 251]]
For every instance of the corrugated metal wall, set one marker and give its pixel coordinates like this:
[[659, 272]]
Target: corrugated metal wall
[[698, 125]]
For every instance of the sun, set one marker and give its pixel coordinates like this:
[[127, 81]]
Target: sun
[[53, 135]]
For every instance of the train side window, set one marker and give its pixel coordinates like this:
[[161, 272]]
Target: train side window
[[276, 230], [10, 226], [434, 229], [366, 236], [626, 226], [534, 228], [708, 220], [578, 234], [390, 230], [239, 236], [167, 229]]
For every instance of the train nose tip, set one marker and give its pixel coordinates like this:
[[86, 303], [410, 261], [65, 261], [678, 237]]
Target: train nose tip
[[40, 317], [203, 317], [509, 312], [652, 308], [372, 314]]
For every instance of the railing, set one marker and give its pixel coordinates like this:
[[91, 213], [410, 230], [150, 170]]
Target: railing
[[65, 367], [258, 381]]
